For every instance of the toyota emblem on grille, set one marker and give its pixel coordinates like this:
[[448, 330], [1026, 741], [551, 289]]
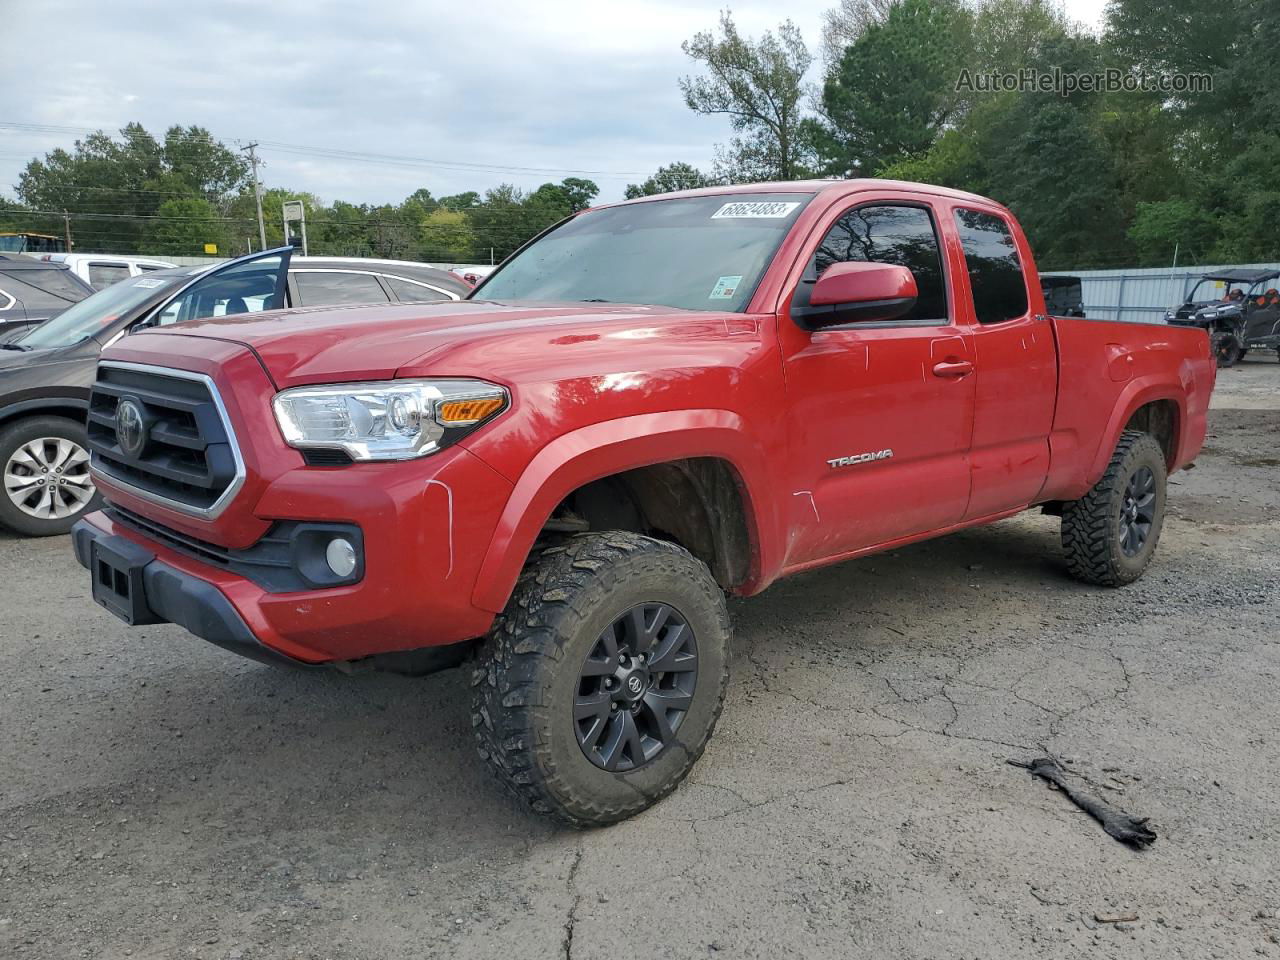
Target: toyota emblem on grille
[[131, 428]]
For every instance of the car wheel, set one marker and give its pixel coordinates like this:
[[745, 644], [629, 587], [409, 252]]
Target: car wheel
[[47, 487], [1110, 534], [1225, 348], [600, 684]]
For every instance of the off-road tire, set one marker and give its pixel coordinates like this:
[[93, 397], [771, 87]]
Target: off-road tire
[[1225, 348], [528, 672], [15, 435], [1091, 534]]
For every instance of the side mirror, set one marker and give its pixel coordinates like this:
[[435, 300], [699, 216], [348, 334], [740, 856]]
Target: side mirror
[[857, 292]]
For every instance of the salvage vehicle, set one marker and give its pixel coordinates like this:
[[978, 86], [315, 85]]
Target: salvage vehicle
[[1063, 296], [650, 405], [31, 292], [101, 270], [45, 376], [1246, 317]]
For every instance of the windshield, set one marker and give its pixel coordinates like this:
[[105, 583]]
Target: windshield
[[695, 253], [1209, 290], [96, 312]]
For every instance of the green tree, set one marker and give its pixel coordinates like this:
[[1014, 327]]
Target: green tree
[[115, 186], [446, 235], [668, 179], [185, 225], [893, 91], [759, 85], [1177, 227]]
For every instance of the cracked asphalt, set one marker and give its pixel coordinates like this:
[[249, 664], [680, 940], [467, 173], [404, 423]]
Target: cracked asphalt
[[162, 799]]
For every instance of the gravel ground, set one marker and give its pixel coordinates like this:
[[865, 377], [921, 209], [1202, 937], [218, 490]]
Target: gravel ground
[[160, 798]]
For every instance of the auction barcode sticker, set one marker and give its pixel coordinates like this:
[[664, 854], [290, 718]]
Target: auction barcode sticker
[[755, 210]]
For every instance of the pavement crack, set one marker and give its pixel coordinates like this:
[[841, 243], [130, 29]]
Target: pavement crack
[[570, 921]]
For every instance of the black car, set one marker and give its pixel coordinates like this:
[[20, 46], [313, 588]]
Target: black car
[[32, 291], [45, 375], [1246, 317], [1063, 296]]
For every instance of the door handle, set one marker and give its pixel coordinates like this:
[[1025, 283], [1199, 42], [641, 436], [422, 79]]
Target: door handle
[[953, 369]]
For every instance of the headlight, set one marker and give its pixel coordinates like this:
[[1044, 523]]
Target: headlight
[[392, 420]]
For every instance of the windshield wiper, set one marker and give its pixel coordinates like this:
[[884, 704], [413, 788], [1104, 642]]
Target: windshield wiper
[[13, 346], [595, 300]]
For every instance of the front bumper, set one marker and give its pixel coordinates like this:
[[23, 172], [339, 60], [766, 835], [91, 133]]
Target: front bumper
[[168, 595], [421, 523]]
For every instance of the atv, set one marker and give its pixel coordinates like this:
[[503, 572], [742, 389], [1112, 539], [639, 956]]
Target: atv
[[1246, 317]]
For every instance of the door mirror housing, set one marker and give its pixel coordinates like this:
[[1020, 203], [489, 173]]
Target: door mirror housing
[[857, 292]]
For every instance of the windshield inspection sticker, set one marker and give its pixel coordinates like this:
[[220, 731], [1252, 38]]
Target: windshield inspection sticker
[[755, 210], [149, 283], [725, 288]]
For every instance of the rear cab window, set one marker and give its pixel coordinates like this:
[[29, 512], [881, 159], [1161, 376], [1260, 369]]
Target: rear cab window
[[996, 277], [105, 274]]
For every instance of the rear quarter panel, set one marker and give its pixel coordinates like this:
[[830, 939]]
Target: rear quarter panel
[[1107, 371]]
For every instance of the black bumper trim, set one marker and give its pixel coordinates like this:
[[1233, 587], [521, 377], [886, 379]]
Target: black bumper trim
[[191, 603]]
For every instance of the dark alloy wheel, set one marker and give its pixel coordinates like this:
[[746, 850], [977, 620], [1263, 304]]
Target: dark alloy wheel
[[599, 685], [1110, 534], [635, 687], [1137, 511]]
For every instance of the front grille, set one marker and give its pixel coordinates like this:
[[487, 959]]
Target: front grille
[[188, 459]]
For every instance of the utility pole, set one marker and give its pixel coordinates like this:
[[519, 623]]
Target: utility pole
[[257, 191], [66, 226]]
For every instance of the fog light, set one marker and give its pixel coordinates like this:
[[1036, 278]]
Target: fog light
[[340, 554]]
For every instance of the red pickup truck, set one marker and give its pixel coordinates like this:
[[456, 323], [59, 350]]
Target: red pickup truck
[[649, 406]]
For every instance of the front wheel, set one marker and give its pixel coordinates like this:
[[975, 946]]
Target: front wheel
[[1226, 349], [600, 684], [1109, 535], [47, 486]]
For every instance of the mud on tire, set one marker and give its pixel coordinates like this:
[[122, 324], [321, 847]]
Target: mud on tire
[[1093, 527], [530, 673]]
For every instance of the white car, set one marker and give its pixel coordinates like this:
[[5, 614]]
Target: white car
[[103, 269]]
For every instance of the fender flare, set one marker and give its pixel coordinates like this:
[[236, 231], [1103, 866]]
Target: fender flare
[[41, 404], [613, 446], [1137, 394]]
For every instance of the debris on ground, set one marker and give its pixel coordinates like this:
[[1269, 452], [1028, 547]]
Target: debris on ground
[[1116, 823]]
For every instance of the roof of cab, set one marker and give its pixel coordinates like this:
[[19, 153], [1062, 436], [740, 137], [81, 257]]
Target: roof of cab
[[814, 187]]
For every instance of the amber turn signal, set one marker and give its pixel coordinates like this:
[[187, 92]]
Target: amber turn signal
[[462, 412]]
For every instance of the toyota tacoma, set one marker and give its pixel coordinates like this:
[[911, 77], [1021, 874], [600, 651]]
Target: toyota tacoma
[[651, 405]]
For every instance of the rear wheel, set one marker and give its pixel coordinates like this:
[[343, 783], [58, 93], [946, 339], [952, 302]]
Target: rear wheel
[[1226, 348], [1110, 534], [47, 487], [600, 684]]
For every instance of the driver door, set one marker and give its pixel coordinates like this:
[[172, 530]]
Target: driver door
[[880, 414], [250, 284]]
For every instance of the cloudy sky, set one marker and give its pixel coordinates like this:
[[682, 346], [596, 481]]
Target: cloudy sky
[[452, 96]]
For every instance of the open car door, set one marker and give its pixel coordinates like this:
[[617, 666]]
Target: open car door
[[249, 284]]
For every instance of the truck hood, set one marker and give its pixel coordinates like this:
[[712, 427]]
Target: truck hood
[[455, 338]]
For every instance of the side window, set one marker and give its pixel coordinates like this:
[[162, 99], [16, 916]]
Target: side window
[[148, 267], [319, 288], [407, 291], [995, 270], [245, 288], [891, 234], [44, 289], [105, 274]]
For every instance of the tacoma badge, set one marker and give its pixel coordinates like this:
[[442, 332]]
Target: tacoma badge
[[860, 458]]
